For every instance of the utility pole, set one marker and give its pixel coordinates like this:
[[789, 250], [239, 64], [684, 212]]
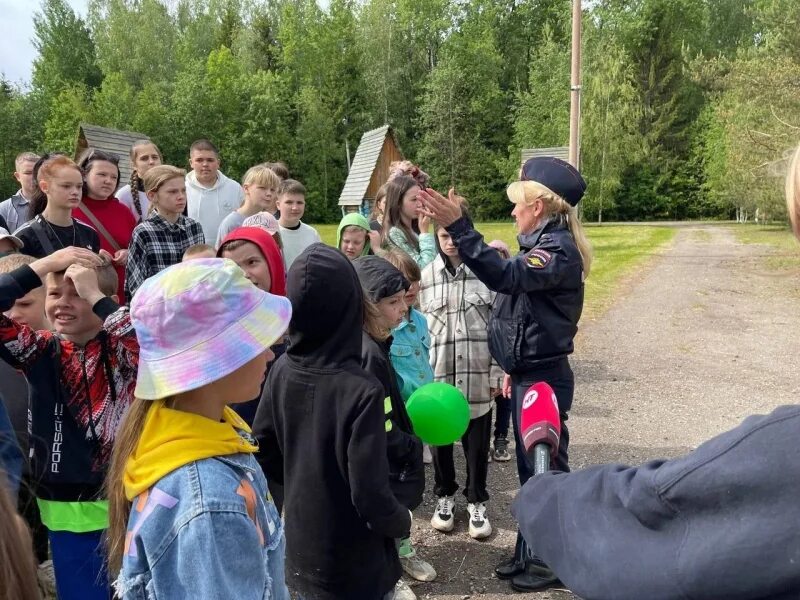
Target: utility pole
[[575, 88]]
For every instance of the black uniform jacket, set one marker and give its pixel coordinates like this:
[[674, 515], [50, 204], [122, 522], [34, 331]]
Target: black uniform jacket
[[539, 293]]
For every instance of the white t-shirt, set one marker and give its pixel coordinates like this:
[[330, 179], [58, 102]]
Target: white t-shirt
[[124, 195], [297, 240]]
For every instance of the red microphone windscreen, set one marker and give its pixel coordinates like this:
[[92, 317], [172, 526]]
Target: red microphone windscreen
[[539, 420]]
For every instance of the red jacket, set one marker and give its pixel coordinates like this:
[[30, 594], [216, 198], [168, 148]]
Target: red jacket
[[118, 221]]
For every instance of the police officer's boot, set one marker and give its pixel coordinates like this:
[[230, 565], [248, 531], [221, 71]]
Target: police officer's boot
[[536, 576]]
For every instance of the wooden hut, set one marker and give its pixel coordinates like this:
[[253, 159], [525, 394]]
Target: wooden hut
[[370, 169], [109, 140], [561, 152]]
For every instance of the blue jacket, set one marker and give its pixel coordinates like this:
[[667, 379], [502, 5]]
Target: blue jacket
[[720, 522], [410, 354], [206, 530], [539, 293]]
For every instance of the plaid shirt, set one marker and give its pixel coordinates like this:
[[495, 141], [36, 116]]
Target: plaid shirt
[[457, 308], [157, 244]]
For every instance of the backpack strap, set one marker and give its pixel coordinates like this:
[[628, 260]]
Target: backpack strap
[[41, 235]]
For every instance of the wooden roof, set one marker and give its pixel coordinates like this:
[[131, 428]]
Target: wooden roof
[[561, 152], [109, 140], [364, 162]]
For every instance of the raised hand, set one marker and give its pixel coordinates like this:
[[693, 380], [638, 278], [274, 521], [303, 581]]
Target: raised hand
[[445, 211], [61, 259]]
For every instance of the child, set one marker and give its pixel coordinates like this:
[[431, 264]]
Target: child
[[320, 434], [268, 223], [210, 196], [28, 311], [296, 235], [410, 351], [257, 254], [60, 185], [144, 156], [352, 236], [502, 399], [189, 509], [403, 226], [15, 210], [161, 240], [81, 383], [385, 289], [9, 244], [260, 186], [100, 209], [457, 306], [199, 251]]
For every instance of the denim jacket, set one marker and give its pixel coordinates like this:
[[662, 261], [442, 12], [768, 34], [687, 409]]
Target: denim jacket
[[206, 530], [410, 353]]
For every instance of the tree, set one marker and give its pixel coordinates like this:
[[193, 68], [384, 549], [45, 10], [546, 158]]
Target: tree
[[66, 51]]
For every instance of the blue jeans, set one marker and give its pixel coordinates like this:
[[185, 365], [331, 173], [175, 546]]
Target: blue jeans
[[560, 377], [79, 565]]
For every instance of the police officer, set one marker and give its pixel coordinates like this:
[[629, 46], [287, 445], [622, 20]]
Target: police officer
[[539, 302]]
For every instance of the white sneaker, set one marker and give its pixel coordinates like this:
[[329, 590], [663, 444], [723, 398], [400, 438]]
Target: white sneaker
[[427, 455], [46, 578], [402, 591], [443, 519], [479, 526]]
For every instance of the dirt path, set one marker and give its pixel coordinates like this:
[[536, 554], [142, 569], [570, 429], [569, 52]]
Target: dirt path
[[700, 338]]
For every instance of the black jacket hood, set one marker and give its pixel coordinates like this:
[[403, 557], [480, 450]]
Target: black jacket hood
[[379, 278], [327, 309]]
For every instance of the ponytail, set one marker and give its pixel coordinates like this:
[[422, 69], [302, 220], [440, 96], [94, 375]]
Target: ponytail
[[581, 241], [119, 507]]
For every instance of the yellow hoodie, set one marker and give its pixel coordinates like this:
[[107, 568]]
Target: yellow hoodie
[[173, 438]]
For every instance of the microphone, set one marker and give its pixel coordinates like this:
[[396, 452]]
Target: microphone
[[540, 426]]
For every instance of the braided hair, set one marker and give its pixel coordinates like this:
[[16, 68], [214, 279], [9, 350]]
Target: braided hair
[[137, 204]]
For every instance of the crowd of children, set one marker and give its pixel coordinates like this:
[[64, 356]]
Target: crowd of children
[[206, 266]]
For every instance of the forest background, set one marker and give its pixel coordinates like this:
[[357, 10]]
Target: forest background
[[689, 106]]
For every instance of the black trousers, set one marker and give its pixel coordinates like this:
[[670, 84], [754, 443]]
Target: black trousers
[[503, 418], [476, 450], [560, 377]]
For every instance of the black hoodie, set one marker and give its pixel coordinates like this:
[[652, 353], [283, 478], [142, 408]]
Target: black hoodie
[[320, 429], [380, 279]]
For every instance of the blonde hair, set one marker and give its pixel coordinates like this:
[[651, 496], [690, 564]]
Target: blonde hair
[[261, 175], [119, 507], [198, 250], [526, 192], [25, 157], [404, 263], [15, 261], [17, 566], [793, 192], [157, 176], [372, 320]]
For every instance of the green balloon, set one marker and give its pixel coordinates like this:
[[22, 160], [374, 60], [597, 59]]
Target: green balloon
[[439, 413]]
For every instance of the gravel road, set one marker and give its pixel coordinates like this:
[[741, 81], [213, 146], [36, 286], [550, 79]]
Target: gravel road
[[700, 337]]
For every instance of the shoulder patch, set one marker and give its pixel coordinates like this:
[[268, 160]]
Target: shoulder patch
[[538, 258]]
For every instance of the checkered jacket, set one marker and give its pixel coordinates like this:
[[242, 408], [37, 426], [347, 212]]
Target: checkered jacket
[[157, 244], [457, 308]]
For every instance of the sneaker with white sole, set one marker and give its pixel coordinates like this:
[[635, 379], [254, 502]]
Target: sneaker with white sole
[[443, 519], [403, 592], [479, 526], [417, 568], [500, 452]]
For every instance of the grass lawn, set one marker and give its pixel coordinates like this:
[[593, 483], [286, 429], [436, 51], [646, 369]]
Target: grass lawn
[[778, 237], [618, 250]]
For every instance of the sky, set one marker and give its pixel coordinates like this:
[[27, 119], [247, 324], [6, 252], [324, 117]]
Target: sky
[[16, 32]]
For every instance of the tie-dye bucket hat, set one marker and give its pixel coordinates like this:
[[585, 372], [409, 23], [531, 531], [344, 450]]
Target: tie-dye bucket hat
[[199, 321]]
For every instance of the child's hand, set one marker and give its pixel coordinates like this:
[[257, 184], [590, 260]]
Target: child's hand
[[85, 282], [61, 259], [507, 386], [424, 223], [374, 240], [120, 257]]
